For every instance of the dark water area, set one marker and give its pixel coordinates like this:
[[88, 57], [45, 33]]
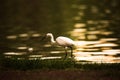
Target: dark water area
[[93, 25]]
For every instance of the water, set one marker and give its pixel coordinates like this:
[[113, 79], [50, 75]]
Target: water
[[93, 26]]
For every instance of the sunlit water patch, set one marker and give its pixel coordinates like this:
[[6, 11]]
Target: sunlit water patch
[[99, 51], [96, 51], [93, 35]]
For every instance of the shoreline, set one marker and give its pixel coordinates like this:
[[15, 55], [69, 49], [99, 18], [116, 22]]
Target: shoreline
[[60, 75]]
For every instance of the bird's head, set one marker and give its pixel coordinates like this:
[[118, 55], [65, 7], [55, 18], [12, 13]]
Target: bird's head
[[49, 34]]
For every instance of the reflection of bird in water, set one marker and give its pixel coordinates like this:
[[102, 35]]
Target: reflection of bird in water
[[62, 41]]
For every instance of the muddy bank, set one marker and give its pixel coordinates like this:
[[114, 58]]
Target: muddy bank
[[60, 75]]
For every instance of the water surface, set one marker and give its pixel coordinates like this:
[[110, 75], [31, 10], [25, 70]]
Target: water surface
[[93, 25]]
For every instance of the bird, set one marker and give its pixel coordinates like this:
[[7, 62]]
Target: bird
[[62, 41]]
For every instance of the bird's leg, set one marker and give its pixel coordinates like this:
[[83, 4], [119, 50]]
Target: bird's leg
[[71, 51], [65, 52]]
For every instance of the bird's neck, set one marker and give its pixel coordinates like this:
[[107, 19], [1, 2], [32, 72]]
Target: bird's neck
[[52, 40]]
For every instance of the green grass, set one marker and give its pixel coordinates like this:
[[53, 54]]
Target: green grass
[[68, 64], [43, 69]]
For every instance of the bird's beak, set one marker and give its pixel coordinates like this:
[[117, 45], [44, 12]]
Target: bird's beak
[[43, 38]]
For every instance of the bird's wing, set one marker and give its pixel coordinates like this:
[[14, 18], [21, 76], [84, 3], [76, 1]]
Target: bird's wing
[[64, 41]]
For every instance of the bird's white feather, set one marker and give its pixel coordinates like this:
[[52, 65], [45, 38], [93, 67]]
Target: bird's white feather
[[64, 41]]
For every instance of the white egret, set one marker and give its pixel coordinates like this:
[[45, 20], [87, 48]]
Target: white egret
[[62, 41]]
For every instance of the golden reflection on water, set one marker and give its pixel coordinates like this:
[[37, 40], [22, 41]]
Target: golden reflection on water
[[22, 47], [79, 25], [11, 37], [90, 37], [14, 53], [96, 52], [23, 35], [89, 47]]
